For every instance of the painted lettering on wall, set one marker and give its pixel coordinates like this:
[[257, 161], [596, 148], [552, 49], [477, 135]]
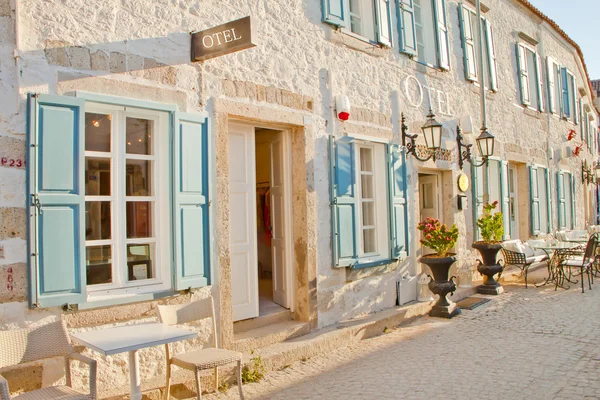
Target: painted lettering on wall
[[12, 162], [9, 280], [418, 94]]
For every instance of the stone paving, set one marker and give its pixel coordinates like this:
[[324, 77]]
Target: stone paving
[[524, 344]]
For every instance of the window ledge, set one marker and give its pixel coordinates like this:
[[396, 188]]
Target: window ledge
[[121, 300], [532, 112], [355, 42]]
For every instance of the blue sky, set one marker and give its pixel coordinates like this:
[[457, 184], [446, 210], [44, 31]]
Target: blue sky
[[580, 20]]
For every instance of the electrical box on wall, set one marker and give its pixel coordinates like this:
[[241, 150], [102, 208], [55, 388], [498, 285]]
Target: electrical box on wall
[[462, 201]]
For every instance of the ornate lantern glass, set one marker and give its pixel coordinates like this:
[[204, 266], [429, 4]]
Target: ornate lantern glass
[[432, 130], [485, 143]]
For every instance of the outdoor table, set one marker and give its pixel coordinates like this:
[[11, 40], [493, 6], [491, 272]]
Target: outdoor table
[[552, 262], [131, 338]]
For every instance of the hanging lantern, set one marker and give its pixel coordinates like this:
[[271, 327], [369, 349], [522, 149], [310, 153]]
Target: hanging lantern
[[432, 130]]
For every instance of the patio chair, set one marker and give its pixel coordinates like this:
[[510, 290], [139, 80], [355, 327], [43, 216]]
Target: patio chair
[[515, 253], [21, 346], [198, 360], [583, 263]]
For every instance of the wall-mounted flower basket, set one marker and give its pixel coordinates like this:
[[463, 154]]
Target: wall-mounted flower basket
[[577, 150], [572, 134]]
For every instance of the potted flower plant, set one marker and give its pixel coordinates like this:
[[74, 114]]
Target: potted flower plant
[[491, 228], [440, 239]]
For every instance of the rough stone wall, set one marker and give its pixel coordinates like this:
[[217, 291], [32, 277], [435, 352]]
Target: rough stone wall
[[140, 49]]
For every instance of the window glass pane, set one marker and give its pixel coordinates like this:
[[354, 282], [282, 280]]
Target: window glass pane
[[138, 178], [139, 261], [531, 68], [355, 22], [138, 134], [366, 184], [97, 176], [366, 160], [98, 264], [97, 132], [369, 241], [368, 213], [139, 219], [97, 220]]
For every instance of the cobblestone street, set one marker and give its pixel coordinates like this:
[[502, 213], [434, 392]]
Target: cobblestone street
[[525, 344]]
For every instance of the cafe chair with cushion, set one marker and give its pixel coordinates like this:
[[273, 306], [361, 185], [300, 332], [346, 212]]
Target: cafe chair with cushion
[[198, 360], [583, 262], [520, 255], [22, 346]]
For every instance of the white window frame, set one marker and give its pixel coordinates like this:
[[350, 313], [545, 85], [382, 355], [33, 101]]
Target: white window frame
[[427, 29], [531, 76], [543, 200], [487, 68], [161, 215], [366, 24]]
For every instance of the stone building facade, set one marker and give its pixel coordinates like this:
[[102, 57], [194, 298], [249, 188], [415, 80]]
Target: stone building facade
[[266, 115]]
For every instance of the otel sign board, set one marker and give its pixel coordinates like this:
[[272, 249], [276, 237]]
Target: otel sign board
[[223, 39]]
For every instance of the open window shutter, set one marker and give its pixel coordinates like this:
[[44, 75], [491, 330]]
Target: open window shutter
[[584, 118], [564, 83], [572, 205], [538, 77], [491, 51], [551, 84], [523, 75], [505, 199], [191, 208], [439, 9], [574, 100], [398, 210], [344, 202], [534, 200], [384, 22], [468, 44], [406, 27], [478, 191], [56, 184], [561, 206], [335, 12], [548, 215]]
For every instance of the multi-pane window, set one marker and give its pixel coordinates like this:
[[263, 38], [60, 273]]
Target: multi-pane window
[[554, 86], [425, 31], [367, 200], [124, 174], [362, 18], [470, 41], [528, 61]]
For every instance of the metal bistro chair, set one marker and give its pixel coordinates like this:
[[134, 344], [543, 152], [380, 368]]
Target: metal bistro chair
[[202, 359], [573, 259], [521, 260], [20, 346]]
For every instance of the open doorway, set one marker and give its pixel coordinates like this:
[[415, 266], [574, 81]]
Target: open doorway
[[430, 195], [260, 221]]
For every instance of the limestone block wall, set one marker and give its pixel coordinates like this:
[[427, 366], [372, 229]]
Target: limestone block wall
[[140, 49]]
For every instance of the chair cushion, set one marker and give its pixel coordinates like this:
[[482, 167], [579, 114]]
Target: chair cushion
[[53, 393], [206, 358], [514, 245], [575, 263], [527, 250], [535, 259]]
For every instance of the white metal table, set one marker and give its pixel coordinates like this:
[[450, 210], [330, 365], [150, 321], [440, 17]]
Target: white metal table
[[131, 338]]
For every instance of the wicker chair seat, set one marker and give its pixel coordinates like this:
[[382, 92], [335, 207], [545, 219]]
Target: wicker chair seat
[[206, 358], [54, 393]]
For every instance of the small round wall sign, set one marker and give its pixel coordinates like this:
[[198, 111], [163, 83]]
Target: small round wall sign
[[463, 182]]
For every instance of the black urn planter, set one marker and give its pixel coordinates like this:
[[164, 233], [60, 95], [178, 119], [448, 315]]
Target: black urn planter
[[489, 267], [441, 285]]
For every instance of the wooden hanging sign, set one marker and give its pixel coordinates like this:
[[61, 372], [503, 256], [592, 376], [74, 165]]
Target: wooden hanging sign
[[223, 39]]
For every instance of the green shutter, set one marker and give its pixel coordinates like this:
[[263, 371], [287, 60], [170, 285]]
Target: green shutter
[[443, 55], [548, 215], [574, 100], [564, 83], [491, 52], [560, 195], [191, 206], [406, 27], [478, 191], [572, 205], [551, 84], [584, 120], [538, 79], [523, 74], [56, 190], [468, 43], [534, 200], [335, 12], [384, 22], [398, 209], [505, 199], [344, 202]]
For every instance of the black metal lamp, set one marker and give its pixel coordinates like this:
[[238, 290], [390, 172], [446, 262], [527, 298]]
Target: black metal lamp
[[432, 130], [597, 172], [485, 144]]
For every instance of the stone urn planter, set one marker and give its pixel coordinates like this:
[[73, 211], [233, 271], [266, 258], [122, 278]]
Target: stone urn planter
[[489, 267], [441, 285]]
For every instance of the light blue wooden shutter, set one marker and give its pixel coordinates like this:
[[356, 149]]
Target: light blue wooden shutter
[[191, 209], [523, 75], [538, 79], [478, 192], [551, 84], [534, 200], [574, 100], [572, 205], [584, 119], [564, 83], [56, 185], [335, 12], [468, 43], [398, 209], [548, 215], [505, 199], [443, 56], [384, 22], [344, 202], [406, 27], [561, 206], [491, 52]]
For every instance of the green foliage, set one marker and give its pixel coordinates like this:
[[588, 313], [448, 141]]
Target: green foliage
[[255, 371], [437, 236], [491, 225]]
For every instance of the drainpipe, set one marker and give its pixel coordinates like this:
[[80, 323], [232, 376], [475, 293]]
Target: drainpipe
[[17, 51], [549, 121], [481, 71]]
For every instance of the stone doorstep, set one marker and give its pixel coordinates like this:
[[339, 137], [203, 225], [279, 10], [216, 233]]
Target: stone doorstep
[[258, 322], [278, 355], [264, 336]]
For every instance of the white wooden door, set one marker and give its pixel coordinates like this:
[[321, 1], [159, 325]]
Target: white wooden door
[[280, 220], [429, 197], [242, 222]]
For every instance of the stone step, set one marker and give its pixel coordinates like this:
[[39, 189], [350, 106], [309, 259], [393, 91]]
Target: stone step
[[252, 339], [259, 322]]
